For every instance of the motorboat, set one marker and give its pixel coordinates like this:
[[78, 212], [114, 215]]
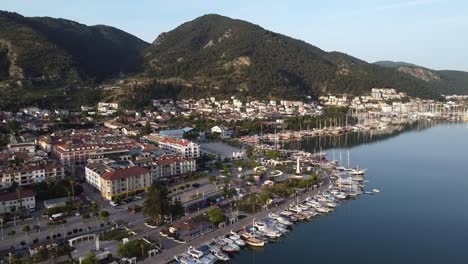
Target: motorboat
[[230, 243], [323, 209], [269, 232], [236, 239], [194, 252], [207, 259], [185, 258], [215, 251], [341, 195], [376, 190], [357, 171], [224, 246], [280, 219]]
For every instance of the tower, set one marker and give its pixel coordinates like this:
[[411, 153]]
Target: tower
[[298, 166]]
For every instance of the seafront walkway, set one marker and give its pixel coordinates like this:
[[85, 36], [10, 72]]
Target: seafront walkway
[[168, 255]]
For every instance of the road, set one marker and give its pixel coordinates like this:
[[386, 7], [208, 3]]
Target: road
[[167, 256]]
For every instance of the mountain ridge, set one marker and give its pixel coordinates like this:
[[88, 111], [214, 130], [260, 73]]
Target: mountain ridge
[[58, 62]]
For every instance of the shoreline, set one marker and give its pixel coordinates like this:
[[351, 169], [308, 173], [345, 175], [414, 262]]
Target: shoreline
[[168, 255]]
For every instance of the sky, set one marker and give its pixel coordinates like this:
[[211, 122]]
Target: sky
[[430, 33]]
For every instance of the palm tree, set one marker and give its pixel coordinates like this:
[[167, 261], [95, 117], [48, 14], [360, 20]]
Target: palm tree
[[20, 199], [71, 181]]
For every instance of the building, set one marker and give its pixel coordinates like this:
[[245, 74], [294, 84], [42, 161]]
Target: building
[[112, 179], [172, 165], [29, 148], [175, 133], [185, 148], [12, 201], [222, 131], [221, 150], [31, 173], [123, 181], [107, 108]]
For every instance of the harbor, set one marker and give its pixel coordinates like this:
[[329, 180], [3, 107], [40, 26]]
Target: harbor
[[352, 227], [338, 183]]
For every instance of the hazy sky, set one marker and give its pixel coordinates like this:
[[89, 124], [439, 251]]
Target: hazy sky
[[431, 33]]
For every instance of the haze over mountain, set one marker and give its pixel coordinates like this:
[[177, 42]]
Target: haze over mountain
[[52, 60]]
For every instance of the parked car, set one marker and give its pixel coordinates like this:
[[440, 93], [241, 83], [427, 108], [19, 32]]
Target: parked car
[[112, 203], [138, 197], [195, 185]]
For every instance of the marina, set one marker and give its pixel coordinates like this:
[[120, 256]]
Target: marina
[[344, 212], [414, 216]]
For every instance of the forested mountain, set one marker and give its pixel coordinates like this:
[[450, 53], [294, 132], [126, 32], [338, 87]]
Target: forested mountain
[[448, 82], [42, 57], [57, 61], [238, 57]]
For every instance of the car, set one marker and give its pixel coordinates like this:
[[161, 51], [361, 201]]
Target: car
[[138, 197], [77, 214], [195, 185], [112, 203]]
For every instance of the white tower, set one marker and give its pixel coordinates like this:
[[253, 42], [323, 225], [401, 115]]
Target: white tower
[[298, 166]]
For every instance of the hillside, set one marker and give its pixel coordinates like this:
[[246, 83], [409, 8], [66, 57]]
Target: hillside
[[449, 82], [237, 57], [43, 56], [59, 63]]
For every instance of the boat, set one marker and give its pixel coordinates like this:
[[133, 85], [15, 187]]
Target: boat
[[194, 252], [185, 258], [323, 209], [208, 259], [230, 243], [215, 251], [376, 190], [236, 239], [280, 219], [341, 195], [254, 242], [267, 231], [224, 246]]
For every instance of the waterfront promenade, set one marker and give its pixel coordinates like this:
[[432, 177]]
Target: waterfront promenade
[[168, 255]]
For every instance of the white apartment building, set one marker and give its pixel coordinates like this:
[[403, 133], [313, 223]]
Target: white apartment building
[[31, 173], [11, 202], [185, 148]]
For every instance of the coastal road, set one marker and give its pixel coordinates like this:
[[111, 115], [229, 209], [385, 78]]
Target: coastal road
[[168, 255]]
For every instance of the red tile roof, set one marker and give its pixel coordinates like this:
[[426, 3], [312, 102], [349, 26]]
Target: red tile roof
[[124, 173]]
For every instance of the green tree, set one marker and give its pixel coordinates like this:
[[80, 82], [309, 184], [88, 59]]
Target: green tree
[[26, 228], [90, 259], [157, 203], [177, 209], [11, 232], [13, 126], [135, 248], [95, 208], [105, 214], [147, 129], [216, 215], [212, 179]]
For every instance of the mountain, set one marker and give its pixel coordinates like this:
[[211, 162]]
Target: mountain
[[449, 82], [37, 53], [61, 63], [228, 56]]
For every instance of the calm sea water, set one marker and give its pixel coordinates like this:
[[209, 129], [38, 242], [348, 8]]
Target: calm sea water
[[420, 216]]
